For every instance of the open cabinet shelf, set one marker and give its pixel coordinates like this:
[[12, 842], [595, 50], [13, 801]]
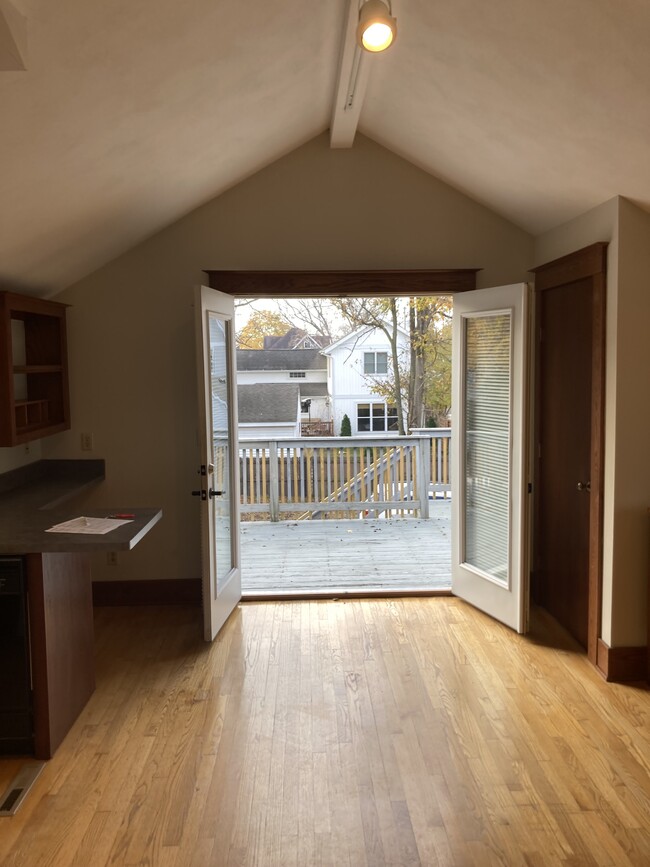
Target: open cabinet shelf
[[34, 398]]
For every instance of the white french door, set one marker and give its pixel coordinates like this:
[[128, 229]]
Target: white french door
[[217, 390], [489, 452]]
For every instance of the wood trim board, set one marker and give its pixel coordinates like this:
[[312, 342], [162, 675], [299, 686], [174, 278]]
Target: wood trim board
[[175, 591], [622, 664], [279, 284]]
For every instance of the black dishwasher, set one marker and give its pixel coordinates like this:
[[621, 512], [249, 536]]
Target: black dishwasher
[[16, 725]]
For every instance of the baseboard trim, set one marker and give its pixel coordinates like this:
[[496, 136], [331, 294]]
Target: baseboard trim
[[622, 664], [176, 591]]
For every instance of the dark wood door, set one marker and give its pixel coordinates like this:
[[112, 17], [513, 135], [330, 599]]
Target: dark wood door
[[564, 454]]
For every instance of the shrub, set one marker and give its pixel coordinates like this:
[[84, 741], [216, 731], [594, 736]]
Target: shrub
[[346, 427]]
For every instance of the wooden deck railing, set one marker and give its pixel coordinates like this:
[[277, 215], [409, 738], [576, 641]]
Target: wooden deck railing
[[332, 476]]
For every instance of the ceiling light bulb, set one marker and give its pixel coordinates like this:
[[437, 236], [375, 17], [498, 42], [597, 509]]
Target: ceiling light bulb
[[377, 37], [377, 28]]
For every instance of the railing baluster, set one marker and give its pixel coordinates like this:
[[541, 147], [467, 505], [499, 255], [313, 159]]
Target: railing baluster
[[295, 475], [301, 461], [266, 498], [409, 486], [321, 461], [243, 479], [258, 497], [281, 459], [273, 481]]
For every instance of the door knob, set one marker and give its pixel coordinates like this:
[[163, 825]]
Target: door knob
[[212, 493], [199, 494], [584, 486]]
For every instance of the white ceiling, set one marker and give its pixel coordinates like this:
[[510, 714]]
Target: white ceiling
[[131, 114]]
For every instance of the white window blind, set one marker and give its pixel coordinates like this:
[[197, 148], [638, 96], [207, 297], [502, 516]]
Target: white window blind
[[487, 354]]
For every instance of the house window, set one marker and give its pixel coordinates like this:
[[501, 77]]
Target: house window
[[376, 418], [297, 374], [375, 362]]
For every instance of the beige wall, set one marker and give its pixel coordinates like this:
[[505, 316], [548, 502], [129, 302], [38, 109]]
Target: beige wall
[[627, 409], [631, 561], [131, 328], [20, 456]]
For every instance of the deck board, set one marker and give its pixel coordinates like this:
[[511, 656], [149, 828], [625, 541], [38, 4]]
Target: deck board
[[348, 555]]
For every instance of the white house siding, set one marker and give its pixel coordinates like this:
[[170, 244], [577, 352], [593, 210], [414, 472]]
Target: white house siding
[[250, 377], [268, 431], [347, 383]]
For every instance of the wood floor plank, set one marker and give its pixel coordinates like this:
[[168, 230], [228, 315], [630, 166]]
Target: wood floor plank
[[354, 732]]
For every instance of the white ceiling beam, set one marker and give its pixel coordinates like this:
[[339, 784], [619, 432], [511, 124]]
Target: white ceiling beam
[[354, 70], [13, 38]]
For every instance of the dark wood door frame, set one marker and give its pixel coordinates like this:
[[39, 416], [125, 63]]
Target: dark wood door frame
[[589, 263]]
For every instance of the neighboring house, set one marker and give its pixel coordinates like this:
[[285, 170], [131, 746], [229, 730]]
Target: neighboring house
[[354, 363], [269, 411], [305, 368], [295, 338]]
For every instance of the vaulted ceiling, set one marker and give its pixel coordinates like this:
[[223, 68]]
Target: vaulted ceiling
[[130, 114]]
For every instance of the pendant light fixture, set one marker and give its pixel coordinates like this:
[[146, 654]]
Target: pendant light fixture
[[377, 28]]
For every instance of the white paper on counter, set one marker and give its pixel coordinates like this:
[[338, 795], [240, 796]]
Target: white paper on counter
[[90, 526]]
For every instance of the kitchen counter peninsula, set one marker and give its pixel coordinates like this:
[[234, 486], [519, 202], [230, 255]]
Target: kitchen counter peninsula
[[46, 599]]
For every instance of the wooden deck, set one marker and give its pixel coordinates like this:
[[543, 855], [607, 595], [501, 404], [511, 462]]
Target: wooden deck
[[332, 556]]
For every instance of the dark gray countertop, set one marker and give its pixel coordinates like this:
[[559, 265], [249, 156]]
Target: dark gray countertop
[[34, 498]]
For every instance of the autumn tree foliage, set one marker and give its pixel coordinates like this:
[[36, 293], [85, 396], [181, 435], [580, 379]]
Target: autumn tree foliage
[[261, 324], [430, 360]]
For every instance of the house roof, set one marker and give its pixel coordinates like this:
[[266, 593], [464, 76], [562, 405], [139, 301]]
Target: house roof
[[280, 359], [540, 115], [313, 389], [293, 337], [271, 403], [354, 335]]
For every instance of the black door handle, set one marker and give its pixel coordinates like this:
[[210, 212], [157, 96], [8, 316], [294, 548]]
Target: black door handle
[[199, 494], [212, 493]]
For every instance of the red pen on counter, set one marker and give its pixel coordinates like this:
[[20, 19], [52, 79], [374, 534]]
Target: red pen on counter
[[123, 515]]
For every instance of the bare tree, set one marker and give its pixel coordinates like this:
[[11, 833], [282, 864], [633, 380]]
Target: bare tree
[[317, 315]]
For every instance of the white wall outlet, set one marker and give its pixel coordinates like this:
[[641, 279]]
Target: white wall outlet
[[86, 442], [111, 558]]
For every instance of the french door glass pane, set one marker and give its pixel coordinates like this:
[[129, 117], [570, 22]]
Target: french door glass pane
[[220, 480], [487, 443]]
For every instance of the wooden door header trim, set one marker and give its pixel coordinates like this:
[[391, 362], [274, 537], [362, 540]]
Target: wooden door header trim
[[278, 284], [583, 263]]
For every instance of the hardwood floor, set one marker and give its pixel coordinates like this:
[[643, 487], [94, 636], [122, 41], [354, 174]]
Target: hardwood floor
[[383, 732]]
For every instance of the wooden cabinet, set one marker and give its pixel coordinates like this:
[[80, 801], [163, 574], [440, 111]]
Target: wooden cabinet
[[34, 396]]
